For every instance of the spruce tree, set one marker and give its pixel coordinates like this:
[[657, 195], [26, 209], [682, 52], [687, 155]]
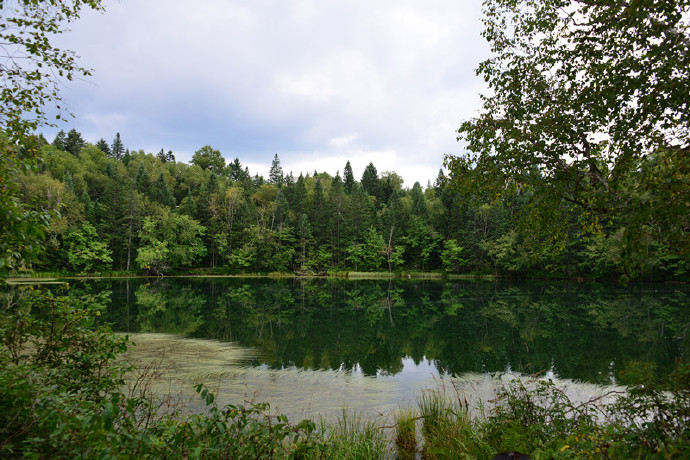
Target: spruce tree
[[161, 192], [318, 213], [117, 150], [299, 196], [370, 180], [74, 142], [142, 181], [275, 174], [418, 202], [348, 178], [59, 141], [103, 146]]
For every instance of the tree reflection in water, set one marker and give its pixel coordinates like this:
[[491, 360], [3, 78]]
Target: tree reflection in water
[[588, 332]]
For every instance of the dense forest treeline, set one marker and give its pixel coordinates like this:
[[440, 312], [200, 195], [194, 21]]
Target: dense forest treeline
[[116, 209]]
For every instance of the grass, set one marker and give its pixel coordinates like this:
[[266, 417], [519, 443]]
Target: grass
[[353, 436]]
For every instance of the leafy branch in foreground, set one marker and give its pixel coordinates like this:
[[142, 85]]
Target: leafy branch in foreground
[[586, 99], [31, 68]]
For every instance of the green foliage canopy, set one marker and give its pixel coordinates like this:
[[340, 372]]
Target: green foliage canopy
[[170, 240], [85, 251], [583, 95]]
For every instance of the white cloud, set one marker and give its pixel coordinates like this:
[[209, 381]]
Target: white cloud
[[341, 142], [256, 78]]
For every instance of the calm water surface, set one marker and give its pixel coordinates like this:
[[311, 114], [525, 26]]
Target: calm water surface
[[578, 331], [393, 336]]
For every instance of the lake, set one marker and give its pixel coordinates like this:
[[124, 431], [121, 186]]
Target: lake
[[313, 346]]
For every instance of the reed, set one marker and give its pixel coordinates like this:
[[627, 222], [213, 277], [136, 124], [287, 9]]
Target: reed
[[406, 434], [354, 436]]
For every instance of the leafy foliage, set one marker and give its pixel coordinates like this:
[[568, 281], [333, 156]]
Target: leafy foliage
[[171, 240], [31, 65], [85, 252], [585, 97]]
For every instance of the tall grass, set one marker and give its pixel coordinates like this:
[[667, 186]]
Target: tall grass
[[448, 429], [353, 436]]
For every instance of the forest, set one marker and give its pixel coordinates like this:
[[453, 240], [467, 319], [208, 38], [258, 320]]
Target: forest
[[116, 209]]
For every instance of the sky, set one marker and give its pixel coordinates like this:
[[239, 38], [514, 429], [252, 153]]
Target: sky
[[318, 82]]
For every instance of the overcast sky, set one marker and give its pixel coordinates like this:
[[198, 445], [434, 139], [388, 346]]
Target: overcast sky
[[319, 82]]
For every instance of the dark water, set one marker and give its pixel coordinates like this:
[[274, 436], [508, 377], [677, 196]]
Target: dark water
[[589, 332]]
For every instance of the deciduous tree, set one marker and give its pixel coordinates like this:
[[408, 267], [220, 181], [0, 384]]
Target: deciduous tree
[[209, 158], [583, 95]]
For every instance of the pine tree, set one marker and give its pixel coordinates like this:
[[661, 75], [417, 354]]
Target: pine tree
[[74, 142], [103, 146], [142, 181], [418, 202], [59, 141], [275, 174], [299, 197], [161, 192], [348, 178], [117, 150], [370, 180]]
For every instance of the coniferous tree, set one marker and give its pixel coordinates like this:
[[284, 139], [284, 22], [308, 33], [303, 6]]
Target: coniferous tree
[[103, 146], [67, 179], [188, 205], [275, 174], [418, 202], [162, 157], [348, 178], [336, 218], [282, 208], [117, 150], [235, 170], [318, 214], [439, 183], [142, 181], [161, 191], [74, 142], [59, 141], [370, 180], [299, 197], [359, 213]]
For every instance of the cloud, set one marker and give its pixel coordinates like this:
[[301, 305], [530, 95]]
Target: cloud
[[295, 78]]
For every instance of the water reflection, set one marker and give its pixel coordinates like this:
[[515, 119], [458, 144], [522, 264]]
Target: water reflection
[[406, 328]]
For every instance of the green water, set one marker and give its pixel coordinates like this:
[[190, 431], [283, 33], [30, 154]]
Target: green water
[[408, 328]]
